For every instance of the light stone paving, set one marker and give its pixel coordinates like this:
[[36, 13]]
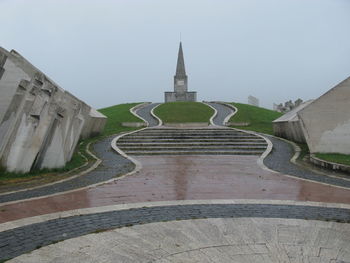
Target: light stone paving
[[207, 240]]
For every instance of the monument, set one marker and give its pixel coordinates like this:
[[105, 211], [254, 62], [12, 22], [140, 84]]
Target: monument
[[40, 123], [180, 83]]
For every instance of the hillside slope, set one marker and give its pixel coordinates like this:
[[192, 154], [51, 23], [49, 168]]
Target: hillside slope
[[258, 119]]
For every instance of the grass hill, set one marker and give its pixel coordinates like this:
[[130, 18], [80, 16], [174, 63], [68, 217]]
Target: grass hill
[[184, 112], [116, 115], [259, 119]]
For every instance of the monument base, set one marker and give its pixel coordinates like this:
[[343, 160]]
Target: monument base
[[185, 96]]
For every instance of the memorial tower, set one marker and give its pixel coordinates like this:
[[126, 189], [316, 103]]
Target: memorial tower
[[180, 82]]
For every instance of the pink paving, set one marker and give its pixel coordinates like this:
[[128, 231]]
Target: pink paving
[[165, 178]]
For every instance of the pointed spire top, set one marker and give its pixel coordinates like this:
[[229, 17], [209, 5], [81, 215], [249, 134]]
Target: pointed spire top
[[180, 68]]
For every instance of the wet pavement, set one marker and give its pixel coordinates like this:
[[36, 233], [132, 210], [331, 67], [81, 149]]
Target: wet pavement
[[185, 178], [112, 166]]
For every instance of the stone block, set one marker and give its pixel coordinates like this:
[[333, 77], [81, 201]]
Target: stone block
[[40, 123], [134, 124]]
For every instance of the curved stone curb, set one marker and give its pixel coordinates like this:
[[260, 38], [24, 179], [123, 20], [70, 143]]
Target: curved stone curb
[[91, 168], [62, 180], [138, 106], [214, 115], [114, 146], [24, 239], [160, 122], [293, 160], [329, 165], [235, 110]]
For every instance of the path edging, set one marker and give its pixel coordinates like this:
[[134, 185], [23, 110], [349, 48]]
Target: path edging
[[228, 117], [92, 167], [329, 165], [160, 122], [213, 116], [136, 107]]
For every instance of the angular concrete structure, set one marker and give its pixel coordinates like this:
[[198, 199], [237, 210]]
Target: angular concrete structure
[[40, 123], [326, 121], [288, 125], [180, 83]]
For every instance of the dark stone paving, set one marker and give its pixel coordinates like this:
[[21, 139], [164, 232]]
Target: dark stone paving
[[223, 112], [112, 166], [145, 113], [27, 238], [279, 160]]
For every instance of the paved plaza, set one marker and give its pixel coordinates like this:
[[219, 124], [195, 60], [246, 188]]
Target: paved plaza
[[182, 208]]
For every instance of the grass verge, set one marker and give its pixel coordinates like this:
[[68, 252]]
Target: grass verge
[[115, 116], [334, 157], [258, 119], [184, 112]]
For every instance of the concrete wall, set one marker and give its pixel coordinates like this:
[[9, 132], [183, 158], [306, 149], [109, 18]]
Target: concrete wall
[[185, 96], [289, 130], [326, 121], [40, 123], [288, 125]]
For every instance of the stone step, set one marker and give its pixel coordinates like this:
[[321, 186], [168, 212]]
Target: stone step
[[158, 141], [166, 144], [194, 152], [125, 140], [188, 137], [194, 132], [180, 148], [188, 129]]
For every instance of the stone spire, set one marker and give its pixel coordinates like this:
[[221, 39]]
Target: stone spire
[[180, 68], [180, 83]]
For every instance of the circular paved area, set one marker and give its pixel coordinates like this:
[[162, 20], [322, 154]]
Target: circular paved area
[[207, 240], [248, 226]]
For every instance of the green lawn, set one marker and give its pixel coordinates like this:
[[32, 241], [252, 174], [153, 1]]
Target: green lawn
[[335, 157], [184, 112], [115, 114], [259, 119]]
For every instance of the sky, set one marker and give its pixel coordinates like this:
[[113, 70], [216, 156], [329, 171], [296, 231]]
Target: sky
[[108, 52]]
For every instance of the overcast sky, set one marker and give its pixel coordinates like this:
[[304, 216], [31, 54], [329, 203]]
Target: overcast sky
[[108, 52]]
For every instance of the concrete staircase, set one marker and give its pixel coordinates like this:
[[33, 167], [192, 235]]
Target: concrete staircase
[[172, 141]]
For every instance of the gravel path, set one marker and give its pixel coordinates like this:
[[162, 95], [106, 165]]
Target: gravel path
[[145, 113], [27, 238], [222, 112], [112, 166], [279, 160]]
